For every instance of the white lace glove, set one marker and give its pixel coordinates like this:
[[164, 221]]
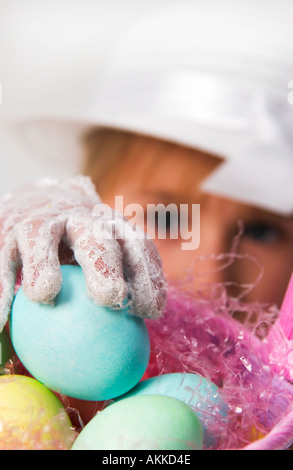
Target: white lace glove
[[34, 222]]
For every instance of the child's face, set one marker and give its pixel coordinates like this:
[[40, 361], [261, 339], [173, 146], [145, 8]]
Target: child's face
[[153, 173]]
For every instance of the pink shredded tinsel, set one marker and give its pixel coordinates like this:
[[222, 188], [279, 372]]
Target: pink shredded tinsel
[[198, 334]]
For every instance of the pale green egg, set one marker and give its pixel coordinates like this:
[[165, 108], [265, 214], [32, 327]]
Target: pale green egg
[[202, 395], [150, 422]]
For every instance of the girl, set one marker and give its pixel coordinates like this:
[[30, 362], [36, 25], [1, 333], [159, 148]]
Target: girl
[[193, 109]]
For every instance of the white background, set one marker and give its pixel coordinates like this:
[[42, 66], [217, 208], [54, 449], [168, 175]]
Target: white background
[[49, 47]]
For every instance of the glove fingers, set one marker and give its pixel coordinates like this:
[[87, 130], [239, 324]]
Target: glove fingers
[[143, 266], [38, 243], [8, 263], [100, 257]]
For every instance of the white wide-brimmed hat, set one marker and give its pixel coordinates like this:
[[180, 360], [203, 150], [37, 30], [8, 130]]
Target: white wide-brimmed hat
[[216, 75]]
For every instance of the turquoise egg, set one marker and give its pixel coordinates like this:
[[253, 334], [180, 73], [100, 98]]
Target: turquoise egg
[[200, 394], [153, 422], [76, 347]]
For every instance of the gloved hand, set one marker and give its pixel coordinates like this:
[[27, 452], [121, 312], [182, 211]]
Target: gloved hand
[[34, 222]]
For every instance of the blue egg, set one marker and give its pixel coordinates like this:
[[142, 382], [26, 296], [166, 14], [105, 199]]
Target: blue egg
[[196, 391], [76, 347]]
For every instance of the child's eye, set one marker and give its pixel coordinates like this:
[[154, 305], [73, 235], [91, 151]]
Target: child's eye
[[164, 223], [262, 232], [172, 218], [168, 221]]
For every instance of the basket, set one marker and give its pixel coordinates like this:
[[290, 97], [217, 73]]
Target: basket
[[252, 365]]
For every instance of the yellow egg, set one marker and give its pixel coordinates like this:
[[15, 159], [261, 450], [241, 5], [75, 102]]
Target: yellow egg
[[31, 416]]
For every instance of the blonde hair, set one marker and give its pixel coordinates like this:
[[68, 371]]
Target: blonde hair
[[107, 151]]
